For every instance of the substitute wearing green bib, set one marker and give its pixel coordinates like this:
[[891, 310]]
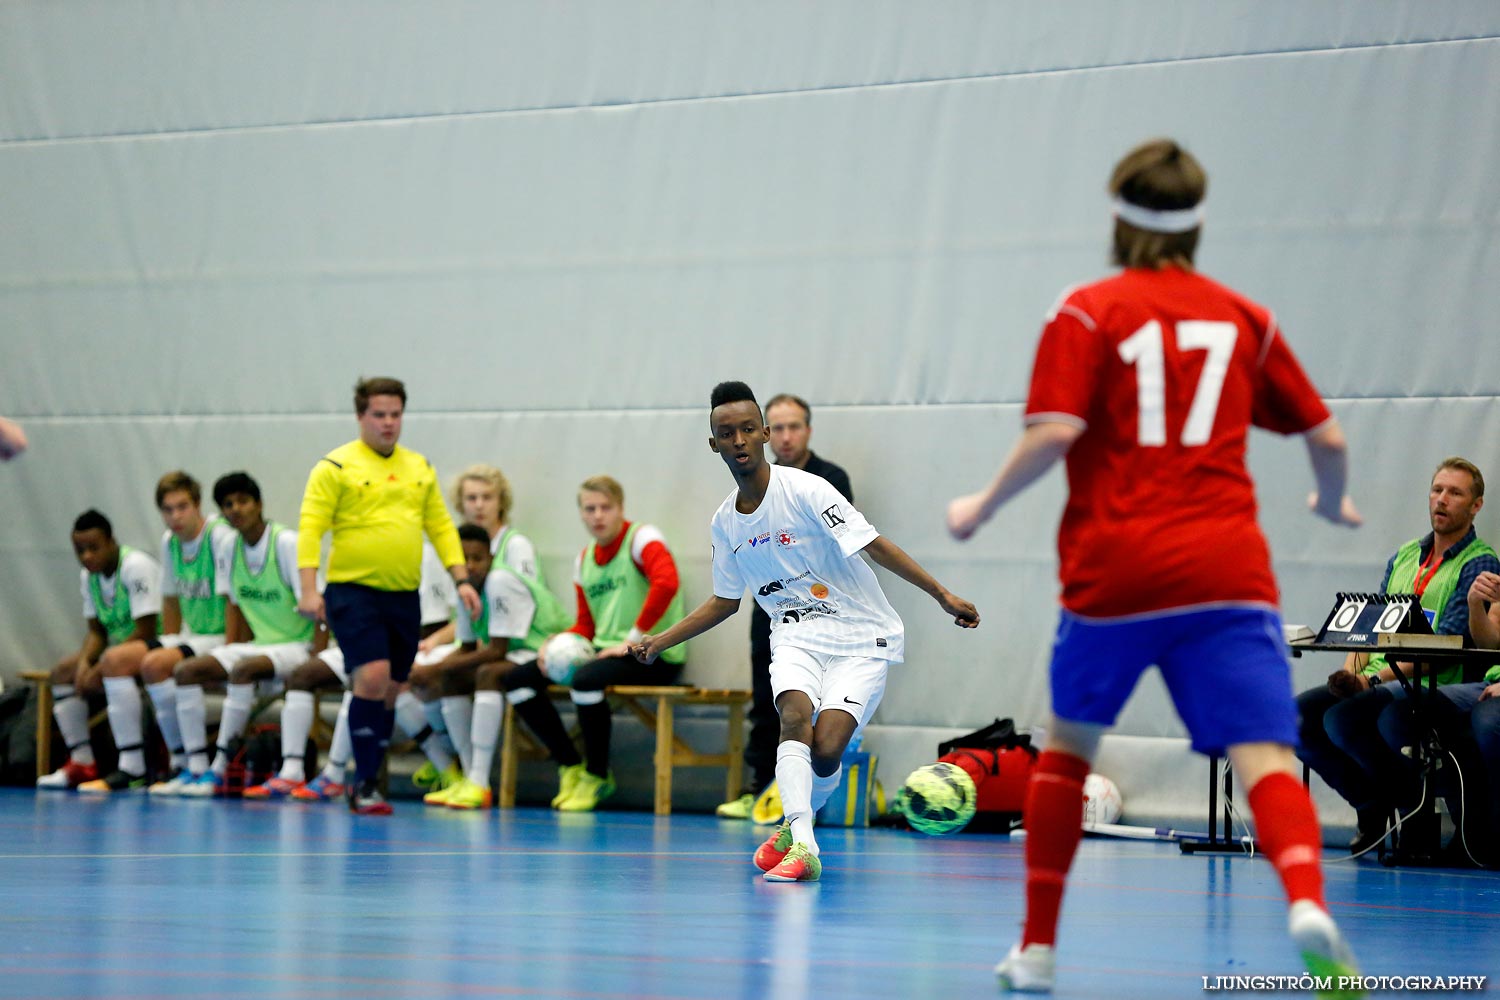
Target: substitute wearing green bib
[[498, 549], [116, 619], [616, 592], [1438, 587], [268, 604], [202, 609], [547, 620]]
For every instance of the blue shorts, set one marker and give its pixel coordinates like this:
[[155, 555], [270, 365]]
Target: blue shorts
[[1226, 670], [374, 625]]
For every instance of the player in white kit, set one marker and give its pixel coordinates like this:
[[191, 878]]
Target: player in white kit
[[795, 541]]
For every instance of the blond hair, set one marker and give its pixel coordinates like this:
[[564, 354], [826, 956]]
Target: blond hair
[[607, 485], [484, 474], [177, 480]]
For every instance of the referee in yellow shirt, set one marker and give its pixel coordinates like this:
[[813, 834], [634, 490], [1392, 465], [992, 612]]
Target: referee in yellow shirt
[[378, 498]]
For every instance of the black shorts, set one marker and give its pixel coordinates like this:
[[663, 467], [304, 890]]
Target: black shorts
[[374, 625]]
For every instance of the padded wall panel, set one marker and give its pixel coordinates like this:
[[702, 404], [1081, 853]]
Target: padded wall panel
[[281, 63], [894, 244]]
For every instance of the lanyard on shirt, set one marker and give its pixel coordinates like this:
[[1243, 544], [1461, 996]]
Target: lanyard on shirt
[[1425, 573]]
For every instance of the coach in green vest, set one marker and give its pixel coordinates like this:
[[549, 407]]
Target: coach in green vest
[[1341, 724]]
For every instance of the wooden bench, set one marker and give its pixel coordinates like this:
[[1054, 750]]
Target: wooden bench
[[39, 679], [321, 732], [655, 708]]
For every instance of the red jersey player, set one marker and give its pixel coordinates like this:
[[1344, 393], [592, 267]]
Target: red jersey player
[[1148, 382]]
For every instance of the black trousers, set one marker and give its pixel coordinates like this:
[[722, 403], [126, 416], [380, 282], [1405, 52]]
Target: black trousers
[[765, 723], [595, 721]]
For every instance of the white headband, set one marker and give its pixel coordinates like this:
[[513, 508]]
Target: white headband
[[1176, 220]]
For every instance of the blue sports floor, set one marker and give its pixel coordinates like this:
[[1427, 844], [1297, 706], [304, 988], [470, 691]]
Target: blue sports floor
[[127, 897]]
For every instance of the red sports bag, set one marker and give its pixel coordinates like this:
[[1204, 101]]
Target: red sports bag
[[1000, 760]]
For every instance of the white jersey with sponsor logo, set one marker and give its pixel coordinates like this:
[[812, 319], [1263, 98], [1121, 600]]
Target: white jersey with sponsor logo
[[511, 609], [519, 554], [439, 593], [798, 555], [437, 590], [142, 577]]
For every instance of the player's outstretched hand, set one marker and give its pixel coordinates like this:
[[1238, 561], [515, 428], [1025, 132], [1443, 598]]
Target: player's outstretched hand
[[1344, 513], [645, 650], [965, 515], [12, 439], [965, 615]]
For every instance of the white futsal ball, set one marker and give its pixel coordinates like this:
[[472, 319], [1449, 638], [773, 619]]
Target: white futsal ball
[[563, 653], [1101, 801]]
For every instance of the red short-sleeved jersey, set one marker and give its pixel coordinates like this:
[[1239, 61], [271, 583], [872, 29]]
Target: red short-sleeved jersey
[[1165, 371]]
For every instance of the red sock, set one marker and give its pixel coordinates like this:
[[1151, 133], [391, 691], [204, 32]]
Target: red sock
[[1287, 826], [1054, 825]]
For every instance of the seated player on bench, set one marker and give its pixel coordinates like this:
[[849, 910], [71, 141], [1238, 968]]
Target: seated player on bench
[[121, 601], [517, 616], [626, 584]]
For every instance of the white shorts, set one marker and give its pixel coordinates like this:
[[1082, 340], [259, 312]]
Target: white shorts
[[852, 684], [440, 653], [333, 658], [196, 645], [285, 656], [435, 655]]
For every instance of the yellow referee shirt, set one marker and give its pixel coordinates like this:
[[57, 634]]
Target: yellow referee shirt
[[377, 508]]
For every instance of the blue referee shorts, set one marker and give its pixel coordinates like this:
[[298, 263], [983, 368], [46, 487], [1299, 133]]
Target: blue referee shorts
[[374, 625], [1225, 668]]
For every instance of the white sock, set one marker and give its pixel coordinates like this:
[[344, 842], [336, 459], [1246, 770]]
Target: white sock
[[434, 711], [72, 715], [340, 749], [794, 779], [192, 723], [412, 719], [124, 700], [458, 718], [485, 734], [164, 701], [232, 720], [296, 723], [823, 788]]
